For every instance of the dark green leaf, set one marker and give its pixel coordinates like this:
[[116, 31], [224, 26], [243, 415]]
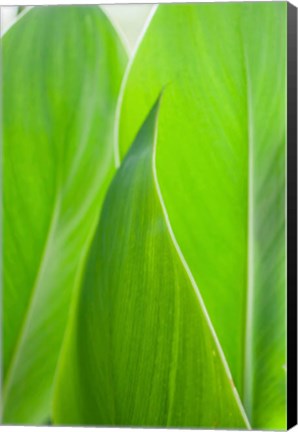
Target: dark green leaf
[[142, 350]]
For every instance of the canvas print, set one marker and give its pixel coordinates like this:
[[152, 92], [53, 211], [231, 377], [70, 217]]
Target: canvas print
[[144, 215]]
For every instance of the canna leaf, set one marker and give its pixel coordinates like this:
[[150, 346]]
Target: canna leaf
[[62, 68], [221, 168], [142, 351]]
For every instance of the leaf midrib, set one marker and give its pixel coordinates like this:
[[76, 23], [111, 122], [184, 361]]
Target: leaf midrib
[[248, 323], [23, 329]]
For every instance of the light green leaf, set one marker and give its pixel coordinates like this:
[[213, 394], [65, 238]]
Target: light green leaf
[[62, 68], [142, 351], [221, 167]]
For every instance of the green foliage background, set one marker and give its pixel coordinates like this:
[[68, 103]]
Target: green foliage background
[[144, 218]]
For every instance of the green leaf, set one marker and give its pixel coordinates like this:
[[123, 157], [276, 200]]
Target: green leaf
[[62, 68], [221, 167], [142, 351]]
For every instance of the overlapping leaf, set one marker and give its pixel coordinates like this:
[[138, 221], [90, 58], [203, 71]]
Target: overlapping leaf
[[142, 351], [62, 68], [140, 348], [221, 167]]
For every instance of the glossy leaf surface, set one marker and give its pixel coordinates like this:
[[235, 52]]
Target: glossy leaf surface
[[221, 167], [142, 351], [62, 68]]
